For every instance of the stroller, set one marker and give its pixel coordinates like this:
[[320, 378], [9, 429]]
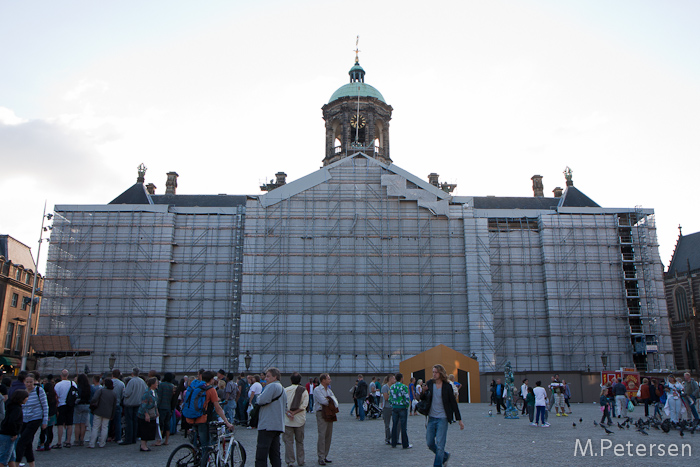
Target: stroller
[[372, 410]]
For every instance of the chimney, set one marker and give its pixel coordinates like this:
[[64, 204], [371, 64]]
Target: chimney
[[171, 183], [281, 179], [537, 187], [151, 188], [433, 179], [557, 192]]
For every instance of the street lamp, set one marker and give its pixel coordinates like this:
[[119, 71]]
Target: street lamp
[[86, 370], [247, 359], [25, 346], [112, 361], [604, 361]]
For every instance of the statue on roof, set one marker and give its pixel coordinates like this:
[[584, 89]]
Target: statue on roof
[[142, 173], [569, 177]]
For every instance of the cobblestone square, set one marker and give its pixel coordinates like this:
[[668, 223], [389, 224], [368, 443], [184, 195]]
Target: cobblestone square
[[485, 441]]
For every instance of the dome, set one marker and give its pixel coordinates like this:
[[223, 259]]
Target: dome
[[355, 89]]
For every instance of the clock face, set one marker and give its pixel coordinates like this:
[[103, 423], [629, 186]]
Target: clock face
[[358, 121]]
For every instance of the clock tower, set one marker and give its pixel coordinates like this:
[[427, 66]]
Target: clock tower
[[357, 120]]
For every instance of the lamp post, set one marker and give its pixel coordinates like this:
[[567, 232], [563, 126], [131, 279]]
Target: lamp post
[[247, 359], [112, 361], [604, 361], [25, 346]]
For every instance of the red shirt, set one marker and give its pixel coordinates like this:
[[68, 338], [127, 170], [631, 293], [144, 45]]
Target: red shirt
[[210, 398]]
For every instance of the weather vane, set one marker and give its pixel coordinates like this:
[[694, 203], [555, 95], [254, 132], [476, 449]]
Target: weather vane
[[357, 50]]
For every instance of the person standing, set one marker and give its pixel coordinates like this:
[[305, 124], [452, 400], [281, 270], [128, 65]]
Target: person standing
[[65, 411], [310, 386], [443, 409], [523, 393], [361, 394], [674, 391], [133, 394], [273, 407], [148, 414], [398, 396], [324, 397], [645, 395], [411, 395], [231, 397], [11, 426], [386, 411], [81, 412], [115, 426], [499, 392], [692, 393], [540, 403], [604, 403], [35, 414], [567, 395], [529, 403], [620, 391], [106, 405], [166, 391], [295, 420], [242, 402]]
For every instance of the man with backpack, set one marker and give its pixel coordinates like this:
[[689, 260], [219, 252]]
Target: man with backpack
[[201, 401], [67, 392], [360, 394]]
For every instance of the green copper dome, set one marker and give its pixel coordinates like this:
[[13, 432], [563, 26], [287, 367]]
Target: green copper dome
[[353, 89]]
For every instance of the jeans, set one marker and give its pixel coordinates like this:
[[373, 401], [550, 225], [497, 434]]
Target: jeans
[[230, 410], [242, 414], [132, 423], [436, 436], [268, 446], [690, 399], [115, 425], [204, 441], [386, 414], [399, 415], [541, 410], [361, 407]]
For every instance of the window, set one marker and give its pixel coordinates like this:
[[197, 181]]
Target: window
[[18, 274], [28, 279], [18, 338], [8, 336], [681, 304], [15, 299], [689, 352], [25, 300]]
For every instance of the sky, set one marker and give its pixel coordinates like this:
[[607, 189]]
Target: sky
[[226, 93]]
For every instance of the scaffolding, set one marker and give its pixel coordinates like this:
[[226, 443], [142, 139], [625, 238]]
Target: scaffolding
[[157, 286], [352, 274]]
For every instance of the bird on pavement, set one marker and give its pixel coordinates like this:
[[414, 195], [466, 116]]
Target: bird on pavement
[[574, 424], [595, 423], [607, 431]]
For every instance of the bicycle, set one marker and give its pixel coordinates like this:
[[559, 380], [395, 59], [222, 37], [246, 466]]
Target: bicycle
[[225, 451]]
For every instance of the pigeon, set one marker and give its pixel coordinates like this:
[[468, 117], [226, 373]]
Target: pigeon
[[620, 426], [682, 434], [641, 430], [595, 423], [490, 413], [607, 431], [666, 425], [575, 426]]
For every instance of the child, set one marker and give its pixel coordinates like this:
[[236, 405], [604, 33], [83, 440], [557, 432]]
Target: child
[[605, 407], [530, 405], [11, 426]]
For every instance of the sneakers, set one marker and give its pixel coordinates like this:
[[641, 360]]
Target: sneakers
[[545, 425], [444, 461], [409, 446], [533, 424], [564, 414], [558, 414]]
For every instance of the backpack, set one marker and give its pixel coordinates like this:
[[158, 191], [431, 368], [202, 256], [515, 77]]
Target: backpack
[[72, 396], [195, 396]]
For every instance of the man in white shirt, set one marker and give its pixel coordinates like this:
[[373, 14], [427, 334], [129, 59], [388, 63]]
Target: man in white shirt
[[523, 394], [323, 395], [65, 411], [295, 420]]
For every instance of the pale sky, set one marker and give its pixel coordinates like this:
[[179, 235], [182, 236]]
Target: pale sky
[[226, 93]]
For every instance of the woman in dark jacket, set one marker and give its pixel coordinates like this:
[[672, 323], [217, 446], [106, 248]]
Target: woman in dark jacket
[[148, 413], [106, 402], [81, 412], [11, 426], [443, 409]]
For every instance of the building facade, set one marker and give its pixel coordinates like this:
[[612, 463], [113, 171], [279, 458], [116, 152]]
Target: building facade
[[17, 269], [682, 285], [354, 268]]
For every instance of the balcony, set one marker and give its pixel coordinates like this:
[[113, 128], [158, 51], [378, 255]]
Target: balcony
[[627, 257]]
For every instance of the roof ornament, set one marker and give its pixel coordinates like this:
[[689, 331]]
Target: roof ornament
[[142, 173], [568, 174], [680, 230], [357, 50]]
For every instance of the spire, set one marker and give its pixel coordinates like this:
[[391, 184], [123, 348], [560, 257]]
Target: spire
[[357, 73]]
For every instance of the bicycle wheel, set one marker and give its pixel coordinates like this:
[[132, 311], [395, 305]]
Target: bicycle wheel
[[184, 456], [519, 404], [237, 456]]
